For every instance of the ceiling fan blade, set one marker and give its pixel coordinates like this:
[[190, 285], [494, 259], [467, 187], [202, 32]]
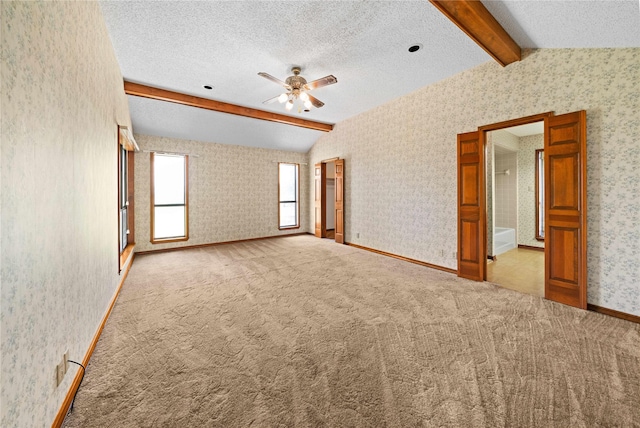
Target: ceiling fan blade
[[319, 83], [271, 100], [274, 79], [316, 102]]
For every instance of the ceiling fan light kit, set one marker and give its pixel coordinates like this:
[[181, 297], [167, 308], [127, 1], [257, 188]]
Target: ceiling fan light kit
[[297, 89]]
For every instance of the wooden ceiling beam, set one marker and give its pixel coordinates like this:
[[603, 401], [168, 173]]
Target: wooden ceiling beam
[[472, 17], [139, 90]]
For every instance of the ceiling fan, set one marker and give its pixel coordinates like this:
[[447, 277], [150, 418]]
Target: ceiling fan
[[297, 89]]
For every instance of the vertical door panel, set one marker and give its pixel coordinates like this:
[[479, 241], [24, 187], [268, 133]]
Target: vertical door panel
[[320, 173], [566, 214], [339, 163], [471, 237]]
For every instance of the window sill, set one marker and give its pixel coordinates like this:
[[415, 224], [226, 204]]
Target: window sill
[[124, 256], [168, 240], [289, 228]]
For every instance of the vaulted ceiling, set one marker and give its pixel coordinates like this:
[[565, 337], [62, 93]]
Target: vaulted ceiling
[[183, 46]]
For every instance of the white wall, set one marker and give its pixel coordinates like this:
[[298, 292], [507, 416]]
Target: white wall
[[490, 190], [401, 184], [233, 191], [331, 196], [331, 204], [506, 190], [331, 170], [62, 98], [527, 190]]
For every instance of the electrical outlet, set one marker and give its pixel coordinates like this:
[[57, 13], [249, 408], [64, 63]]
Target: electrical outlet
[[59, 374], [358, 235], [66, 361], [62, 368], [441, 253], [455, 254]]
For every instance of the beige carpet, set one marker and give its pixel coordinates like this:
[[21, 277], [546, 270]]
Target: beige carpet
[[303, 332]]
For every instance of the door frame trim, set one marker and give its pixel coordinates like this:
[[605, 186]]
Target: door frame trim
[[482, 136], [515, 122]]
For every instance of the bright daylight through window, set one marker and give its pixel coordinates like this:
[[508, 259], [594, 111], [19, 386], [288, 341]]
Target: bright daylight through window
[[169, 197], [124, 198], [288, 196]]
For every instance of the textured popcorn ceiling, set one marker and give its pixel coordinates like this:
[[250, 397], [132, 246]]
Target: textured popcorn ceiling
[[184, 45], [570, 24]]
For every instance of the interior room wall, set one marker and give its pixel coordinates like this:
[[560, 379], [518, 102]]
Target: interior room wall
[[506, 190], [505, 139], [233, 191], [62, 99], [490, 186], [400, 173], [331, 170], [501, 138], [527, 189]]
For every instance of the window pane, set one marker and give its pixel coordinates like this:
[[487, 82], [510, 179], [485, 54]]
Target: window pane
[[288, 182], [168, 178], [123, 177], [168, 222], [123, 229], [288, 214]]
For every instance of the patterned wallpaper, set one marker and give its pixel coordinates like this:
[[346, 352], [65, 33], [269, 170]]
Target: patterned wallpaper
[[400, 184], [61, 99], [233, 191], [527, 189]]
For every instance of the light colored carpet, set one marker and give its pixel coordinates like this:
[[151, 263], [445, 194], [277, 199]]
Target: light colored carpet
[[303, 332]]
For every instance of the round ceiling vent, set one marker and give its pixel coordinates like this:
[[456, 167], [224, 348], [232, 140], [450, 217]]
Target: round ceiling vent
[[415, 48]]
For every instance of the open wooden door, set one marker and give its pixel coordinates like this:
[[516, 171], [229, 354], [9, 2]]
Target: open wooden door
[[565, 150], [472, 248], [320, 199], [339, 163]]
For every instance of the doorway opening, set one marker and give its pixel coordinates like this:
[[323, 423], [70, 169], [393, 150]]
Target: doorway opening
[[564, 226], [329, 199], [330, 211], [515, 247]]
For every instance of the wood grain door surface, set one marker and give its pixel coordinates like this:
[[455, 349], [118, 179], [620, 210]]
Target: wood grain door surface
[[339, 228], [566, 209], [471, 212]]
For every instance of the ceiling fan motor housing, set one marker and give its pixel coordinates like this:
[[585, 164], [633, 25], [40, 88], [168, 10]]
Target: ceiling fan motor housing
[[296, 81], [297, 87]]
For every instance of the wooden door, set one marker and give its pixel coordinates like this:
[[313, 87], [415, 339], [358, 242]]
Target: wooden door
[[566, 214], [320, 199], [339, 163], [472, 246]]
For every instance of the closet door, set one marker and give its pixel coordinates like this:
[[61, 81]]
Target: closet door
[[320, 173], [472, 248], [565, 165]]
